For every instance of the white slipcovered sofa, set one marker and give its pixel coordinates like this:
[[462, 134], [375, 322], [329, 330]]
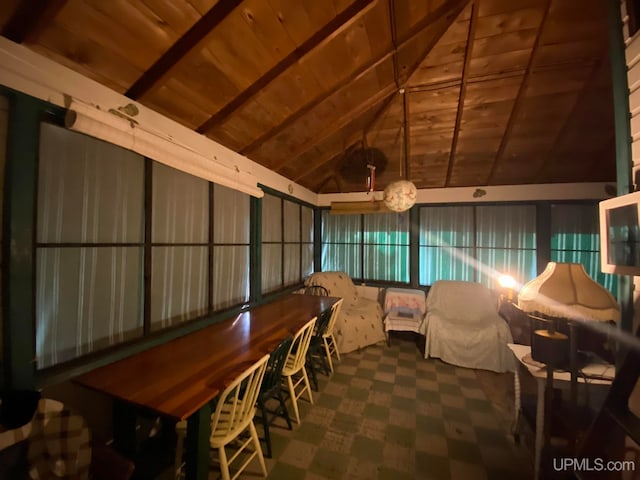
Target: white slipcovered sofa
[[360, 321], [462, 327]]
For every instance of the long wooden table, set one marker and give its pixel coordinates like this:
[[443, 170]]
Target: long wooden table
[[181, 377]]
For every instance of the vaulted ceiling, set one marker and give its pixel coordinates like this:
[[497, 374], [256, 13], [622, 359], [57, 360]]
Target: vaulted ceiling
[[452, 92]]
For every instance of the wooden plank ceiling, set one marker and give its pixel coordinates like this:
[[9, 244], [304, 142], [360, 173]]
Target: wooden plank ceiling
[[453, 92]]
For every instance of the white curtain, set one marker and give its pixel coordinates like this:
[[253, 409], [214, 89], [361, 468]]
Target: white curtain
[[575, 238], [386, 247], [446, 244], [88, 296], [341, 243], [271, 243], [231, 224], [180, 224]]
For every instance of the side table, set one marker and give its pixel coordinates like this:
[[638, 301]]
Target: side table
[[604, 372], [404, 310]]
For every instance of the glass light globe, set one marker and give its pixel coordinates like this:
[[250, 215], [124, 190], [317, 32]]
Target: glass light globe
[[400, 195]]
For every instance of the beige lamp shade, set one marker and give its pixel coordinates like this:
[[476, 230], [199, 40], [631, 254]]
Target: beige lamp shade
[[400, 195], [565, 290]]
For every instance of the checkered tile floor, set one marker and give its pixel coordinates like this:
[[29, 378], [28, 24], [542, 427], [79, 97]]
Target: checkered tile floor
[[388, 413]]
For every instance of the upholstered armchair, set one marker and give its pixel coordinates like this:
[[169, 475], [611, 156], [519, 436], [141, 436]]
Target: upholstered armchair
[[463, 327], [359, 323]]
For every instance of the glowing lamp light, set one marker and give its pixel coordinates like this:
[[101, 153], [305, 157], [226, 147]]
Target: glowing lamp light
[[400, 195], [507, 281]]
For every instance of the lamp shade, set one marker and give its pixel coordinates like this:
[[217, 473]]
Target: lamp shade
[[565, 290], [400, 195]]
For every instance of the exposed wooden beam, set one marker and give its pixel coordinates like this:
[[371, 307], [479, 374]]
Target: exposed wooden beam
[[30, 17], [463, 90], [448, 10], [190, 39], [326, 33], [517, 104], [338, 124], [570, 119], [406, 140]]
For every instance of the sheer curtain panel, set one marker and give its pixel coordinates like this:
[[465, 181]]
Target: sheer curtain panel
[[89, 236]]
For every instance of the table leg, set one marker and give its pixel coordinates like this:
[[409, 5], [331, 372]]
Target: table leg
[[197, 444], [540, 382], [124, 429], [517, 405]]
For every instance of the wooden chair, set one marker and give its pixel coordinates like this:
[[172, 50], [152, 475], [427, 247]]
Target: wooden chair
[[316, 290], [294, 366], [315, 352], [328, 339], [235, 409], [271, 388]]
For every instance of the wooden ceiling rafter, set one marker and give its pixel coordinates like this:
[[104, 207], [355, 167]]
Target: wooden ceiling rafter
[[447, 9], [198, 31], [345, 18], [463, 89], [405, 164], [517, 104], [586, 88], [30, 17]]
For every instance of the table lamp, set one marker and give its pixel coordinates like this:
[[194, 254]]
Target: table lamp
[[564, 291]]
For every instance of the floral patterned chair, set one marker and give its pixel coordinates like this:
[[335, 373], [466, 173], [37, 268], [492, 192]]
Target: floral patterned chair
[[359, 323]]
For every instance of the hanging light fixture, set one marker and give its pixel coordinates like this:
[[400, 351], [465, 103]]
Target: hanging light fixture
[[401, 195]]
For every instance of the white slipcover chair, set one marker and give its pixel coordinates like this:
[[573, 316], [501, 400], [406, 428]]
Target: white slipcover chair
[[463, 327]]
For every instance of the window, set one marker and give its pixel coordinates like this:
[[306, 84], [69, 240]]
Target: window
[[179, 252], [372, 247], [231, 238], [446, 244], [477, 243], [89, 246], [342, 243], [386, 247], [287, 243], [506, 242], [575, 238], [92, 247]]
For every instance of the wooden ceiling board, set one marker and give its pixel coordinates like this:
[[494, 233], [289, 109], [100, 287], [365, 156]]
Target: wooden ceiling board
[[200, 80], [513, 61], [512, 21], [300, 18], [503, 43], [128, 29], [488, 8], [321, 118], [578, 52], [491, 91], [170, 103], [408, 14], [84, 55], [340, 122], [426, 101], [202, 6], [558, 81]]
